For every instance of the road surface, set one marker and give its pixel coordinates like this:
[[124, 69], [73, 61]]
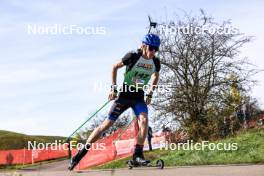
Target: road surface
[[60, 169]]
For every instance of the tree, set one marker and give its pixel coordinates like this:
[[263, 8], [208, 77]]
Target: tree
[[198, 65]]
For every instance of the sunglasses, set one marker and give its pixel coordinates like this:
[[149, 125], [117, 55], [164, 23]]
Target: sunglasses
[[151, 48]]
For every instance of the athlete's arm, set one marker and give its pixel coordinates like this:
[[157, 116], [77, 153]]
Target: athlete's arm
[[114, 71], [113, 92], [154, 83]]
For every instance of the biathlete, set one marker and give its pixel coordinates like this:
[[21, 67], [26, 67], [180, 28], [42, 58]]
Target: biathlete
[[141, 67]]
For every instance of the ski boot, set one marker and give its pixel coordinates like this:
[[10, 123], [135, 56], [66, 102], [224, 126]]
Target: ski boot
[[77, 158]]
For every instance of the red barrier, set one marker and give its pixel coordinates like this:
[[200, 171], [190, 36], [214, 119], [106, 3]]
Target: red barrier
[[111, 151], [99, 154], [47, 154], [122, 148], [24, 156]]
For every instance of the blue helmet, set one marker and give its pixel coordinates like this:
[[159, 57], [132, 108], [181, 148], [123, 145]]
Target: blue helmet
[[151, 39]]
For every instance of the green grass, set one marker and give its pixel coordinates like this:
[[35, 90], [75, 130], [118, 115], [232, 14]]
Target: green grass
[[12, 140], [250, 150]]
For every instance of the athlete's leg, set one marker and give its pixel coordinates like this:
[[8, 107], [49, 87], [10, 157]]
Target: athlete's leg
[[141, 112], [95, 135], [92, 138], [143, 128], [117, 108]]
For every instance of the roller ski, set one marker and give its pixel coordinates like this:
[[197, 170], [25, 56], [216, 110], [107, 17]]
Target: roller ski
[[141, 162]]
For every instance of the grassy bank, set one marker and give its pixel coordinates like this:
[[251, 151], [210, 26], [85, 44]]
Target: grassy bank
[[250, 149], [12, 140]]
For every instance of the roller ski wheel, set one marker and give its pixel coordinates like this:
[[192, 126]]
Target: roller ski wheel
[[159, 164], [130, 164]]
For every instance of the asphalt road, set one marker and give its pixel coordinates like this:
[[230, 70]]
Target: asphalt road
[[60, 169]]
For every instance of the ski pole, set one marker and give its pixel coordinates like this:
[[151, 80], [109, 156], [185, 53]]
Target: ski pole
[[88, 119]]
